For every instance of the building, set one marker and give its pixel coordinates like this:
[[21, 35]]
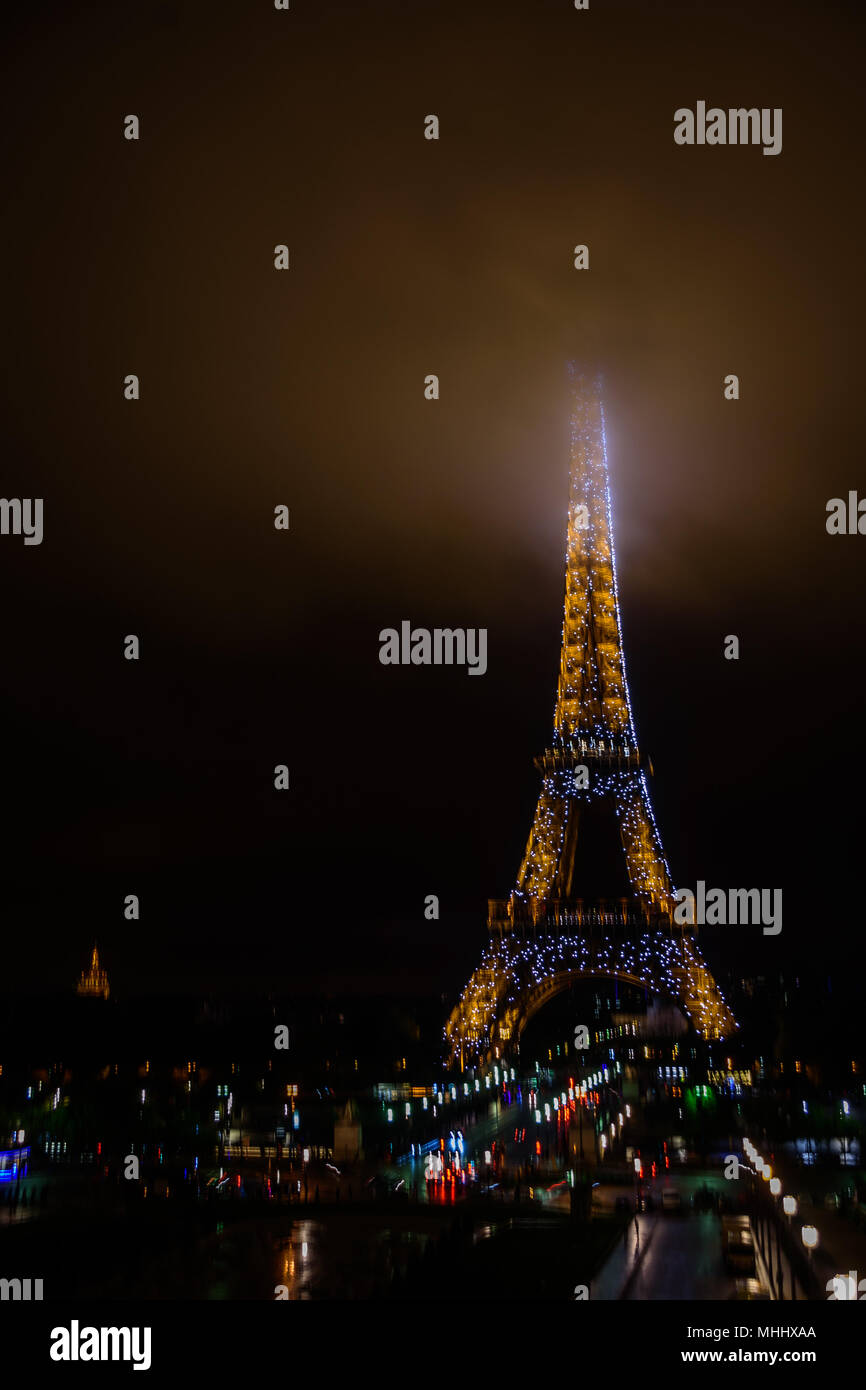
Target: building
[[94, 982]]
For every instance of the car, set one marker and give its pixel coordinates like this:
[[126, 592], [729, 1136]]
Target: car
[[735, 1221], [739, 1251], [671, 1201], [750, 1288]]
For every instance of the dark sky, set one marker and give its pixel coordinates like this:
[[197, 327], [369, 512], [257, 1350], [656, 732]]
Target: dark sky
[[409, 257]]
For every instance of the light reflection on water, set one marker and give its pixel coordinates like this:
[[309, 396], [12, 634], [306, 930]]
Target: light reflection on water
[[342, 1260], [305, 1259], [299, 1259]]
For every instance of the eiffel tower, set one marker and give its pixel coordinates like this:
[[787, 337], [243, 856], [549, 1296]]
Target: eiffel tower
[[594, 895]]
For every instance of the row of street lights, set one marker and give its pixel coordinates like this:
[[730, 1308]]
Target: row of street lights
[[808, 1233]]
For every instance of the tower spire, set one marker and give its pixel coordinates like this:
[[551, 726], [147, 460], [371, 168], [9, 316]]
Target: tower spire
[[594, 753], [93, 983], [592, 696]]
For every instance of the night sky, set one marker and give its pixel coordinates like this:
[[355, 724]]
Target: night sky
[[306, 388]]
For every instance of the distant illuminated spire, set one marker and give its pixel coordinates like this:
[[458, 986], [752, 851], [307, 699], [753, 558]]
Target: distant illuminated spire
[[94, 982]]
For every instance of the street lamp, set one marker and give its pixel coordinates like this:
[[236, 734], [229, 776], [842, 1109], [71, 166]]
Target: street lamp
[[810, 1240], [766, 1172], [775, 1190], [789, 1207]]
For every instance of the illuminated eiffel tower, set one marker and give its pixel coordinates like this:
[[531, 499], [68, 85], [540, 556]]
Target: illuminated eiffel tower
[[594, 825]]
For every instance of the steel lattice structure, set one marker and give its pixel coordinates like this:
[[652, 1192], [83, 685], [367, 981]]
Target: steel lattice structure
[[594, 757]]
